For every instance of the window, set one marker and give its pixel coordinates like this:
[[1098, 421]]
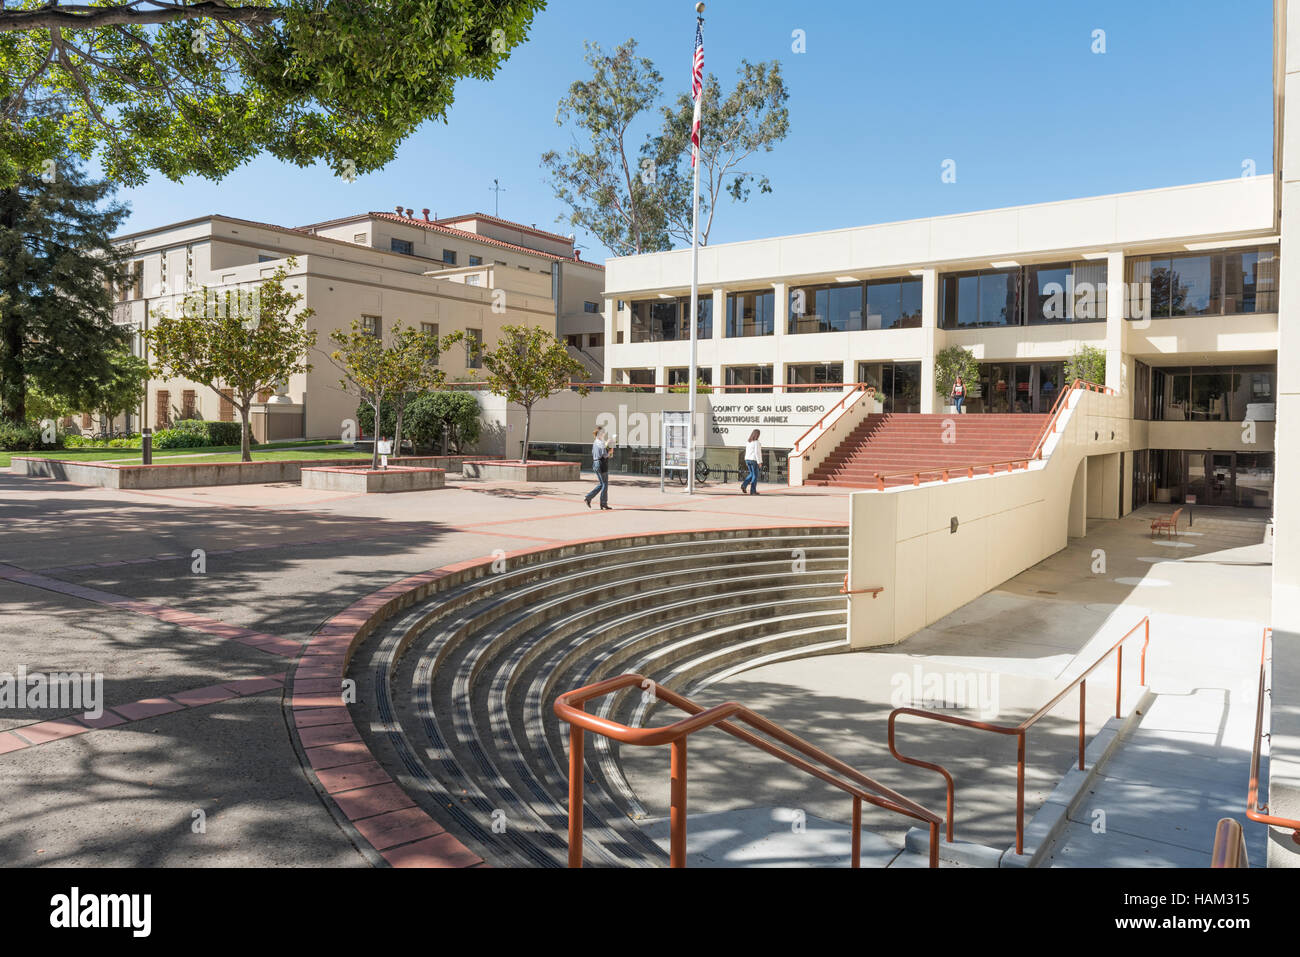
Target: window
[[189, 403], [473, 280], [430, 329], [820, 377], [1065, 292], [573, 340], [756, 378], [644, 377], [402, 246], [473, 347], [984, 298], [898, 384], [449, 257], [703, 315], [835, 308], [595, 340], [474, 260], [654, 320], [373, 325], [591, 307], [751, 314], [1227, 282], [681, 376], [894, 304], [264, 258], [1213, 393]]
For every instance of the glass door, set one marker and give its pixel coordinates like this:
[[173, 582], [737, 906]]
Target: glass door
[[1220, 478]]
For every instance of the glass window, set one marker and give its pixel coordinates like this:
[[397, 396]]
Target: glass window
[[476, 260], [756, 378], [430, 329], [981, 299], [590, 306], [704, 312], [473, 349], [1254, 479], [751, 314], [1066, 292], [654, 320], [402, 246], [1192, 286], [595, 340], [373, 325], [819, 377], [827, 308], [1226, 282], [682, 375], [906, 387], [894, 304], [449, 257]]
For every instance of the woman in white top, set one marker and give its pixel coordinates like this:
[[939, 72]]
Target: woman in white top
[[753, 456], [600, 464]]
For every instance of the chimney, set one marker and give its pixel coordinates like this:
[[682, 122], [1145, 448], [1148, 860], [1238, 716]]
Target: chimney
[[577, 254], [426, 214], [399, 211], [409, 212]]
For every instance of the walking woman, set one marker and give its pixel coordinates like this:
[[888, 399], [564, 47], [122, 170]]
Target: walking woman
[[753, 456], [958, 394], [600, 463]]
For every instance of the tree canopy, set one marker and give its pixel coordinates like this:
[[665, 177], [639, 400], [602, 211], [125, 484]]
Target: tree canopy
[[199, 87]]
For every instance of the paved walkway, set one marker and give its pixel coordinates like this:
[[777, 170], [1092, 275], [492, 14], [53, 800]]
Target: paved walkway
[[191, 603], [1013, 649]]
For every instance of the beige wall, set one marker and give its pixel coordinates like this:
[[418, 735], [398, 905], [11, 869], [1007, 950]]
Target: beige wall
[[901, 538]]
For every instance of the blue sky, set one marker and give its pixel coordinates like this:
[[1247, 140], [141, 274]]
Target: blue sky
[[1010, 90]]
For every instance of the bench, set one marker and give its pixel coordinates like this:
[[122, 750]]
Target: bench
[[1166, 523]]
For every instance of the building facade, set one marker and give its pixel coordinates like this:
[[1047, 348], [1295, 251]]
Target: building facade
[[476, 276], [1177, 287]]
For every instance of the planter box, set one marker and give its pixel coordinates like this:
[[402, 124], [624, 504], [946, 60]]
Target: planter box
[[181, 475], [516, 471], [395, 478]]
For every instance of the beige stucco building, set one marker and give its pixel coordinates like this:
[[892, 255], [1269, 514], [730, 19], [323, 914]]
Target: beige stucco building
[[471, 273]]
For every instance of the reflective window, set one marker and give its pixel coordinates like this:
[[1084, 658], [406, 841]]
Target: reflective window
[[751, 314], [1227, 282], [759, 378], [894, 304], [989, 298], [830, 308], [815, 377]]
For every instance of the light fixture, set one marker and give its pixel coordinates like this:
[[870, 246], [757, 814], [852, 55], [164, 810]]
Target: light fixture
[[1005, 264]]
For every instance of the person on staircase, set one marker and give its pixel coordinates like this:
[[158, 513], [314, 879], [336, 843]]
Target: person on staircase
[[958, 394], [753, 456]]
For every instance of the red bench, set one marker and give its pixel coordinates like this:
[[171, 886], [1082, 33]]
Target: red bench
[[1166, 523]]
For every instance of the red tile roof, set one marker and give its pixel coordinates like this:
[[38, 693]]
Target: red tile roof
[[477, 237]]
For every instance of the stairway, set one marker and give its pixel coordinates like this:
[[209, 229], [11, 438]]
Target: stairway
[[455, 693], [901, 442]]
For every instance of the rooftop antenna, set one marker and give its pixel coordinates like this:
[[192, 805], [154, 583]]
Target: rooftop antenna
[[497, 188]]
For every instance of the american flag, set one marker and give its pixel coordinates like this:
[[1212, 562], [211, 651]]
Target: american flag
[[697, 88]]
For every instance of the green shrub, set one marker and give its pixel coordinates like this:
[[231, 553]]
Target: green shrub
[[26, 438], [183, 438], [225, 433], [196, 433]]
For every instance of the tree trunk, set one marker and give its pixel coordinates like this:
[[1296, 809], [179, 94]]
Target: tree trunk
[[397, 434], [446, 431], [13, 374], [245, 433], [528, 425], [374, 450]]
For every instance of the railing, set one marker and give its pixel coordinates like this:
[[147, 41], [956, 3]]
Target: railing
[[873, 590], [1229, 845], [1023, 727], [569, 707], [1254, 810], [797, 448], [706, 389], [1059, 407]]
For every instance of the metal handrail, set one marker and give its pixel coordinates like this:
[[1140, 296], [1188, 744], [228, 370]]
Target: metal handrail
[[569, 707], [797, 448], [1229, 845], [1020, 729], [706, 388], [1059, 406], [873, 590], [1254, 810]]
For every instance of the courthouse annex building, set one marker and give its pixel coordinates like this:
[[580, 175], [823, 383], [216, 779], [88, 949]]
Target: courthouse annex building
[[473, 273], [1178, 286]]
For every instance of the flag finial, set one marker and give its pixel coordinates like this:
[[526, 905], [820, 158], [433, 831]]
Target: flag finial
[[699, 8]]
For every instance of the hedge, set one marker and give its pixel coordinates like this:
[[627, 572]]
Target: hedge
[[15, 437]]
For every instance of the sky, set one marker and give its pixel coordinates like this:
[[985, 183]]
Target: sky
[[884, 93]]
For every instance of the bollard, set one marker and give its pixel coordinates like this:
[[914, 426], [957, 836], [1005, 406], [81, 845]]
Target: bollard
[[146, 446]]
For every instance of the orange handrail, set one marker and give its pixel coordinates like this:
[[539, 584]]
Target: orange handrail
[[873, 590], [1229, 845], [797, 448], [569, 707], [1254, 810], [1020, 729], [1059, 407]]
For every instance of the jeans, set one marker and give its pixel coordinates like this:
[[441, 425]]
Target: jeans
[[752, 478], [957, 400], [602, 488]]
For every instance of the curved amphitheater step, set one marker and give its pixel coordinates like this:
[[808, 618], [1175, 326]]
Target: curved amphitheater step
[[455, 692]]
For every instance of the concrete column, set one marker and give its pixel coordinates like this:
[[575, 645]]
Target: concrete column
[[611, 322], [1116, 325], [930, 341], [719, 313], [782, 318]]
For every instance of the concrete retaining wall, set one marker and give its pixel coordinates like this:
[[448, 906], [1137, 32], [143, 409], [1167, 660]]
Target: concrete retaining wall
[[520, 472], [180, 475], [396, 478]]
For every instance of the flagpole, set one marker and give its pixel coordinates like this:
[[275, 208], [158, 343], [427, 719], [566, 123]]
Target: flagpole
[[697, 57]]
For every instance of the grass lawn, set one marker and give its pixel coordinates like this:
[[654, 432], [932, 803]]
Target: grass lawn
[[220, 453]]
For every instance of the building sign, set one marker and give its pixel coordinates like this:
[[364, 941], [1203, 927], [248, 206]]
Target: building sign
[[780, 418]]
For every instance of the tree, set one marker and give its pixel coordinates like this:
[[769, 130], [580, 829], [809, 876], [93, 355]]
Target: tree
[[236, 343], [413, 368], [367, 373], [952, 362], [450, 416], [636, 198], [611, 191], [199, 87], [527, 364], [58, 267], [752, 118], [1088, 364], [124, 388]]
